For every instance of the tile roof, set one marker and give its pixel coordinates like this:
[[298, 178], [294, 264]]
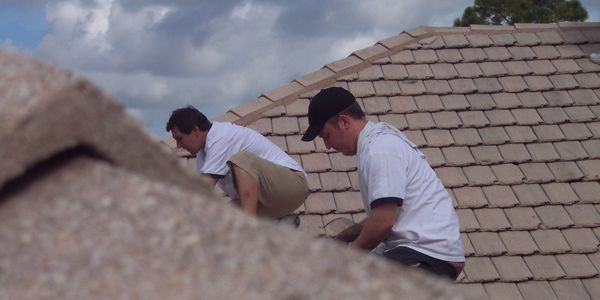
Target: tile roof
[[509, 119]]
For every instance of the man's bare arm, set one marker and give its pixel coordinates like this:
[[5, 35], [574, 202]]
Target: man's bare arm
[[377, 226]]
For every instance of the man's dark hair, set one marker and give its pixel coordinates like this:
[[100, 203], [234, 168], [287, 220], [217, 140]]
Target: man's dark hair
[[354, 111], [186, 118]]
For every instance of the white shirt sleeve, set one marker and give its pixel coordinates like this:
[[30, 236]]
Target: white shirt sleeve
[[386, 175]]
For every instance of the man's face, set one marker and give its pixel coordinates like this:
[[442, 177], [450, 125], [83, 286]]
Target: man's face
[[192, 142], [337, 137]]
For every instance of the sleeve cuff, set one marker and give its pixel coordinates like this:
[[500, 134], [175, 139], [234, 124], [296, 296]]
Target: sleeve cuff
[[380, 201]]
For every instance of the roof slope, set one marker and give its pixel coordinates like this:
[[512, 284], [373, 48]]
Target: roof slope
[[91, 207], [508, 116]]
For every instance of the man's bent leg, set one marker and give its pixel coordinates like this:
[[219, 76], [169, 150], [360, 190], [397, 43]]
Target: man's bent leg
[[247, 188]]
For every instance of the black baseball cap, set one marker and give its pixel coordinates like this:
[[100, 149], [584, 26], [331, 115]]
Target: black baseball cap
[[324, 105]]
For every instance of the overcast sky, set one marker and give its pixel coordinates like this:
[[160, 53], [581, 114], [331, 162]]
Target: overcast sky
[[154, 56]]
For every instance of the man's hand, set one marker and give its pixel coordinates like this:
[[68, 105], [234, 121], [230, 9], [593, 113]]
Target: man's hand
[[349, 234], [377, 226]]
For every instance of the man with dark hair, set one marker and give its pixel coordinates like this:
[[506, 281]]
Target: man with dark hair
[[249, 168], [410, 217]]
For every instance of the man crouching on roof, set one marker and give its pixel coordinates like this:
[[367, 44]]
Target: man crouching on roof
[[410, 217], [248, 167]]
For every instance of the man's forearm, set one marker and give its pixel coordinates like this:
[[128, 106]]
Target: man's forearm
[[376, 227]]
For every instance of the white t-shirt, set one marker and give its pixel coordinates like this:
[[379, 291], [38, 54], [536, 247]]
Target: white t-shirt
[[389, 165], [226, 139]]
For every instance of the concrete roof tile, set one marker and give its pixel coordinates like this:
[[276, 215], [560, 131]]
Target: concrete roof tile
[[280, 141], [394, 72], [532, 99], [420, 121], [344, 64], [403, 104], [500, 196], [550, 241], [312, 225], [451, 176], [455, 40], [403, 57], [362, 88], [470, 197], [487, 243], [316, 162], [548, 133], [335, 181], [518, 242], [467, 246], [523, 218], [386, 87], [587, 65], [492, 219], [396, 40], [251, 106], [449, 55], [370, 52], [507, 100], [416, 136], [493, 68], [340, 162], [480, 269], [372, 72], [592, 285], [588, 80], [320, 203], [588, 192], [320, 75], [530, 194], [565, 171], [348, 202], [546, 52], [569, 289], [438, 137], [563, 81], [573, 37], [518, 67], [467, 220], [396, 120], [596, 108], [592, 147], [493, 135], [536, 173], [429, 103], [594, 128], [541, 67], [473, 54], [446, 119], [262, 126], [526, 39], [412, 87], [584, 215], [439, 87], [554, 216], [488, 85], [512, 268], [479, 40], [513, 84], [468, 70], [275, 112], [443, 71], [543, 152], [354, 180], [335, 223], [538, 83], [592, 34], [582, 240], [285, 125], [521, 53], [465, 136], [544, 267], [514, 153], [500, 117], [458, 156], [376, 105], [520, 134], [425, 56], [595, 257], [577, 265], [419, 71], [503, 39], [455, 102], [486, 154], [566, 66], [570, 150], [550, 37], [298, 107], [580, 114], [314, 182], [536, 290], [474, 118], [283, 91], [497, 53], [508, 174], [434, 157], [297, 146], [558, 98], [576, 131], [570, 51], [553, 115]]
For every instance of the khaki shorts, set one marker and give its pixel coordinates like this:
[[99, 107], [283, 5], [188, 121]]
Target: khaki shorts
[[281, 190]]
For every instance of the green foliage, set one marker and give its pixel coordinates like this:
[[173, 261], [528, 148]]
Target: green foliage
[[509, 12]]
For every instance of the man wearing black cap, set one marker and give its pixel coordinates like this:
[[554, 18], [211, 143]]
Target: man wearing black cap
[[410, 217]]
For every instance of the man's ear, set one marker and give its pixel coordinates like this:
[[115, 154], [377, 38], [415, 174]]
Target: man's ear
[[344, 121]]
